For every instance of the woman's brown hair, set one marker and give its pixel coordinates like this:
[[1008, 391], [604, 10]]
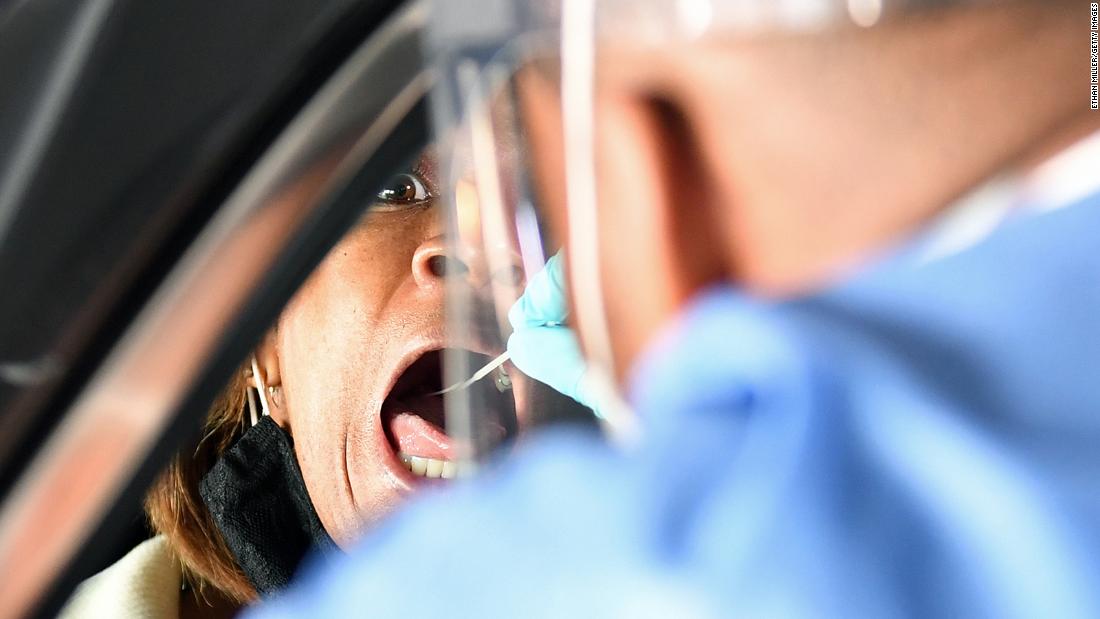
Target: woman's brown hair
[[176, 510]]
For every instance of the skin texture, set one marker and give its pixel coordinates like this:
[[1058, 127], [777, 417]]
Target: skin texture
[[781, 163]]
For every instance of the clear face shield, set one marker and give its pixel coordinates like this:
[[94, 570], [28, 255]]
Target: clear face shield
[[496, 229], [518, 132]]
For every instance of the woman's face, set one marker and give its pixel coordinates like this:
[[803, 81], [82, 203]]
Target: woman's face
[[356, 355]]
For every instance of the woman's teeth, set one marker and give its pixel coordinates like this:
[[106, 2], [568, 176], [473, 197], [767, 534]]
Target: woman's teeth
[[432, 468]]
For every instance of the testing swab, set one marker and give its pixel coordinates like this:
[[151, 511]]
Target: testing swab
[[478, 375]]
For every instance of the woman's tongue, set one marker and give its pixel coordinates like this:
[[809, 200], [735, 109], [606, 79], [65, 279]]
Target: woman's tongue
[[416, 427]]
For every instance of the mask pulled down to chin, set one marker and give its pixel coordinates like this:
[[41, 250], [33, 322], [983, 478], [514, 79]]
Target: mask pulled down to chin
[[259, 502]]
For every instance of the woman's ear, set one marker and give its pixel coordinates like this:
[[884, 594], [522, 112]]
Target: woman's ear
[[267, 362]]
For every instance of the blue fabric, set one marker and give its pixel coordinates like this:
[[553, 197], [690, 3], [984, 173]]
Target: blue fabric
[[921, 441]]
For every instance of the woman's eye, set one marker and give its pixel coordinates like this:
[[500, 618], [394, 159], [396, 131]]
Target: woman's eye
[[404, 189]]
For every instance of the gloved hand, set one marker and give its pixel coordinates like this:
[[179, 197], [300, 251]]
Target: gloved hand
[[541, 345]]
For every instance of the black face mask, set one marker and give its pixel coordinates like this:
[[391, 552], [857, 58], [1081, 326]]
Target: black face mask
[[258, 499]]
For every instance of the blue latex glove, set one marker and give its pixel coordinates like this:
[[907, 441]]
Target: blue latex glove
[[541, 345]]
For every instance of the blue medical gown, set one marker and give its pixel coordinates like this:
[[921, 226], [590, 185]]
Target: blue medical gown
[[923, 440]]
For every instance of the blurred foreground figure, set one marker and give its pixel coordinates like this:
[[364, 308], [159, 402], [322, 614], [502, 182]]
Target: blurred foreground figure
[[840, 259]]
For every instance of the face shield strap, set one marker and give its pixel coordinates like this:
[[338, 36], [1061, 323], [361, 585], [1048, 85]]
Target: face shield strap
[[578, 53]]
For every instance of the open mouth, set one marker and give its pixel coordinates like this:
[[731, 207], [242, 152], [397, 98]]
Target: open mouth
[[416, 426]]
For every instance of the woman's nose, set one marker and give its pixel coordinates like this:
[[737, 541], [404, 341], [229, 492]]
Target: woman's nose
[[433, 260]]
